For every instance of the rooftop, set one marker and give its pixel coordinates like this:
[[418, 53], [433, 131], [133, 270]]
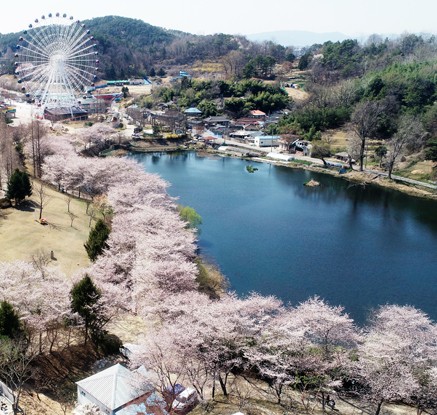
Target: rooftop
[[115, 386]]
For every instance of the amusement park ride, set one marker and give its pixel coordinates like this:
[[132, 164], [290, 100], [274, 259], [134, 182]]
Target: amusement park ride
[[56, 62]]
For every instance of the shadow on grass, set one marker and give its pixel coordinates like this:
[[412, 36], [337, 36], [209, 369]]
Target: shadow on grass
[[27, 206], [56, 227]]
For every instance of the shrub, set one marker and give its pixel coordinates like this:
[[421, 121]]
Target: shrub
[[108, 343], [5, 203]]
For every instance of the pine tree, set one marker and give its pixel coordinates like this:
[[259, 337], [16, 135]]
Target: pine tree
[[97, 240], [85, 298], [9, 321], [19, 186]]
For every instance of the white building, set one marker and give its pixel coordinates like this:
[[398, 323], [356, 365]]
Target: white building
[[267, 141], [118, 391]]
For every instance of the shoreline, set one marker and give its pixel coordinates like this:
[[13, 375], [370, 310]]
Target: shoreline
[[354, 176]]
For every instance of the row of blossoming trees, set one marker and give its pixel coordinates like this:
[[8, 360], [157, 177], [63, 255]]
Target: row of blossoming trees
[[148, 268]]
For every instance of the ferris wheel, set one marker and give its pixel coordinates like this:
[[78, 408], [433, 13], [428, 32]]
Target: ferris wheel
[[56, 61]]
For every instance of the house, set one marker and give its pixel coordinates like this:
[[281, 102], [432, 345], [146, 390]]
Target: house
[[249, 124], [217, 121], [286, 143], [119, 391], [257, 114]]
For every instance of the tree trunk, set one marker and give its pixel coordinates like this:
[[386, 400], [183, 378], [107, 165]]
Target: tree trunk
[[223, 385], [378, 408], [86, 332], [362, 150], [213, 386], [390, 169]]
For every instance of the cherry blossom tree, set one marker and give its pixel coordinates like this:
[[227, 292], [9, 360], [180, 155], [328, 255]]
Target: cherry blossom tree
[[41, 297], [212, 337], [399, 345], [304, 347]]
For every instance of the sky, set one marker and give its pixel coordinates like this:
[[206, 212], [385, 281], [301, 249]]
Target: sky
[[351, 17]]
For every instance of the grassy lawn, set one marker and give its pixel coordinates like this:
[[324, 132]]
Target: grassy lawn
[[21, 235]]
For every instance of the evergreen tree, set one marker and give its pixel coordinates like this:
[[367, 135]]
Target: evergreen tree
[[19, 186], [431, 150], [97, 240], [85, 298], [9, 321]]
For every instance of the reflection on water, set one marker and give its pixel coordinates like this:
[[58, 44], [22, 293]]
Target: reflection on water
[[358, 246]]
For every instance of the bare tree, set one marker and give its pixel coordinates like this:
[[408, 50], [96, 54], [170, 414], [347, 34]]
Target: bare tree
[[37, 132], [40, 260], [9, 158], [92, 213], [72, 218], [68, 200], [410, 134], [233, 63], [42, 196], [364, 123], [15, 368]]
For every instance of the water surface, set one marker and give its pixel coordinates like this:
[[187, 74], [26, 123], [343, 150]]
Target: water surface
[[356, 246]]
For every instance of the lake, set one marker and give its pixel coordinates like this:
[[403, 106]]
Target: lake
[[353, 245]]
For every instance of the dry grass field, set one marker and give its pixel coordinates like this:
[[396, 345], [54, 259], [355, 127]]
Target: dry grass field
[[297, 94], [22, 236]]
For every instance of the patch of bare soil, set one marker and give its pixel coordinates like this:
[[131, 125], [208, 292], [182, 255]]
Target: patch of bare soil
[[53, 390]]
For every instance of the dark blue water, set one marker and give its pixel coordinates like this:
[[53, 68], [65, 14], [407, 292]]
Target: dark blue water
[[352, 245]]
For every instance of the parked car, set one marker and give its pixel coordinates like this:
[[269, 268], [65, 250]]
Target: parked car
[[185, 401]]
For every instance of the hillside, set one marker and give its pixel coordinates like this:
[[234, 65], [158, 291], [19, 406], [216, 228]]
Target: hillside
[[130, 47]]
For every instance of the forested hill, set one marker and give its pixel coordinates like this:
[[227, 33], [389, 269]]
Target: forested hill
[[130, 47]]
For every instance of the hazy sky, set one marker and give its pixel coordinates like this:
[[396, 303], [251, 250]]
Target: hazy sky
[[241, 16]]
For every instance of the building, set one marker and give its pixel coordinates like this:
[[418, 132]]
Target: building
[[257, 114], [119, 391], [65, 113], [193, 112], [217, 121], [266, 141]]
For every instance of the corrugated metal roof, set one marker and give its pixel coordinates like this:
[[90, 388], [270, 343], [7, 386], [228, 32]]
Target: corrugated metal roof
[[115, 386]]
